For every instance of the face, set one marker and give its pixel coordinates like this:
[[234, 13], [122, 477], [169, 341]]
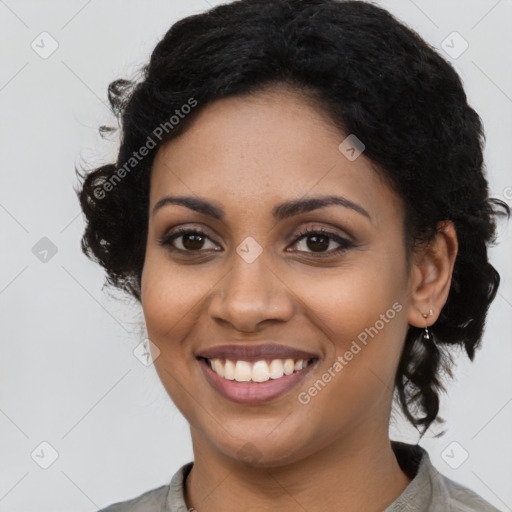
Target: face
[[253, 281]]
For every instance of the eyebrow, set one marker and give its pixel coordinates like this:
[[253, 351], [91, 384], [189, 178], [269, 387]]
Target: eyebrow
[[280, 212]]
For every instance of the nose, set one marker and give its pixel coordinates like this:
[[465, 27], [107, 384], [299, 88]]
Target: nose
[[249, 295]]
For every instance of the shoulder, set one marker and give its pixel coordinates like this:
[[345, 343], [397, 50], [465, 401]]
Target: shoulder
[[431, 489], [150, 501], [460, 498], [159, 499]]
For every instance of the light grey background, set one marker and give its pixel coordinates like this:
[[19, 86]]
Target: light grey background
[[67, 369]]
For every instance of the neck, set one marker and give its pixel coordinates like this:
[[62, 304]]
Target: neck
[[349, 475]]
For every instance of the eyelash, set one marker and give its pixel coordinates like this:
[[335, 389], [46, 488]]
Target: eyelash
[[166, 240], [344, 243]]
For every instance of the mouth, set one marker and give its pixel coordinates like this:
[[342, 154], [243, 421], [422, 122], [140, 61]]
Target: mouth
[[258, 371], [255, 374]]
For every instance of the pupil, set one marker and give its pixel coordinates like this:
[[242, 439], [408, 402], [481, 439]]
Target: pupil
[[318, 245], [192, 241]]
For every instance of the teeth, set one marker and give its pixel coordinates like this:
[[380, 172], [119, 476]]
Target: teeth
[[243, 371], [259, 371], [229, 369], [276, 369], [288, 367], [217, 366]]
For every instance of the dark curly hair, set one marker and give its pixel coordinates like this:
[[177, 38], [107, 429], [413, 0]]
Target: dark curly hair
[[373, 77]]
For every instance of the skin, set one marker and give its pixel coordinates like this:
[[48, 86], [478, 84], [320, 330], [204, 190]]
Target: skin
[[247, 154]]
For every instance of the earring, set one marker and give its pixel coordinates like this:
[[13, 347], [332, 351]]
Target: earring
[[426, 334]]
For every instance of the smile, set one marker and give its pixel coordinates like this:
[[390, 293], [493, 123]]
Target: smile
[[254, 383], [258, 371]]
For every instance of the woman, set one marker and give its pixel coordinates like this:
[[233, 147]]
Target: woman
[[300, 207]]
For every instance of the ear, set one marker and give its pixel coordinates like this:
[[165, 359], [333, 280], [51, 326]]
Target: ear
[[431, 275]]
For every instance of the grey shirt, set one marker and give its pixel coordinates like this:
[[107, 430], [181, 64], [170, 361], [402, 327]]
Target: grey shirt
[[428, 491]]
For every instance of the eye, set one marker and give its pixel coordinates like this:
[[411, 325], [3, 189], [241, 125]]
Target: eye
[[318, 240], [190, 240]]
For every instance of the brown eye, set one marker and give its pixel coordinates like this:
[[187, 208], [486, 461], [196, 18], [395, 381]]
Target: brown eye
[[190, 240], [319, 240]]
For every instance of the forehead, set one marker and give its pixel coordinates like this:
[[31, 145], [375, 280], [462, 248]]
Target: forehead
[[253, 151]]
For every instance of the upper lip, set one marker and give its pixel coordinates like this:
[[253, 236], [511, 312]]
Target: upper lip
[[255, 352]]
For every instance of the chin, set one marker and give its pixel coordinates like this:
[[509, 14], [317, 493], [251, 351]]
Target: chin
[[262, 451]]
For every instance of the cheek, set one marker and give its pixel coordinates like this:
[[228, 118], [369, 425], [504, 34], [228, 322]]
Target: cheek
[[345, 301], [169, 296], [361, 310], [373, 321]]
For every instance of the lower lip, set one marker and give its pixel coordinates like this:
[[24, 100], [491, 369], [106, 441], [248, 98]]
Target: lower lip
[[253, 392]]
